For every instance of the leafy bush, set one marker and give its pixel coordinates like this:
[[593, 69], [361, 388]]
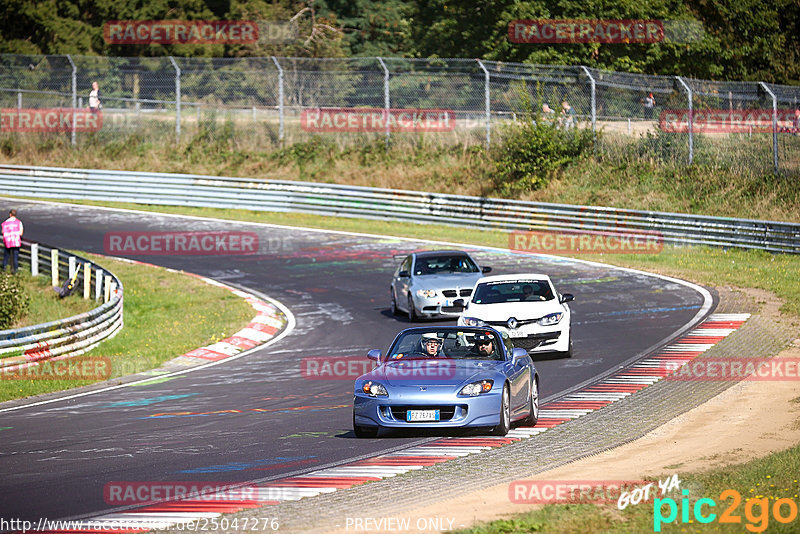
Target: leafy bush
[[14, 301], [533, 151]]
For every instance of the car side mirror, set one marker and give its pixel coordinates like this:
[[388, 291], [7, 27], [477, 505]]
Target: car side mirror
[[375, 355], [567, 297], [486, 269], [403, 274], [517, 354]]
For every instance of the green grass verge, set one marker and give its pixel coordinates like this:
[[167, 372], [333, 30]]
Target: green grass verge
[[166, 314], [759, 482], [45, 306]]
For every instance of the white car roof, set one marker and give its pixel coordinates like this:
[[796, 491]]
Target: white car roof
[[513, 277]]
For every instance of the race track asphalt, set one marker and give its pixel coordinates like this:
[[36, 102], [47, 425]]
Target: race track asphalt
[[56, 459]]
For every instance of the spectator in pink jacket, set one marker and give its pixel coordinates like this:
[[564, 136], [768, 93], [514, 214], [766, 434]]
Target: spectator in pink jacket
[[12, 239]]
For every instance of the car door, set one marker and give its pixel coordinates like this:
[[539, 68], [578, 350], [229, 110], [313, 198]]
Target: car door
[[402, 283]]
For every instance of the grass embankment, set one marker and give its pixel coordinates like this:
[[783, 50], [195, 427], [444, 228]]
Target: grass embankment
[[166, 314], [45, 306], [760, 483], [641, 175]]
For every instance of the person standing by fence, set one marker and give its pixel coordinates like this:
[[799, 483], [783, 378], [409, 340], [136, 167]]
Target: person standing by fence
[[649, 103], [12, 239], [94, 98]]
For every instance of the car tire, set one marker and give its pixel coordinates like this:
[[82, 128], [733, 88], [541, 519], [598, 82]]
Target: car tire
[[364, 431], [533, 404], [505, 414], [395, 309], [412, 311]]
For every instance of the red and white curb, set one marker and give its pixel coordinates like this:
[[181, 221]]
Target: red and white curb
[[574, 405]]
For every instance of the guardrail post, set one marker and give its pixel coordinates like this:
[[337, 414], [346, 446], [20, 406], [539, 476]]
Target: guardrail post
[[35, 259], [691, 118], [386, 101], [19, 100], [774, 125], [112, 290], [98, 285], [177, 100], [87, 280], [74, 95], [594, 106], [487, 102], [54, 267], [107, 289], [280, 98], [72, 266]]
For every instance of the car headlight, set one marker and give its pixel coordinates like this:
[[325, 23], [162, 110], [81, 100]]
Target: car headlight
[[551, 319], [472, 321], [373, 389], [476, 388], [427, 293]]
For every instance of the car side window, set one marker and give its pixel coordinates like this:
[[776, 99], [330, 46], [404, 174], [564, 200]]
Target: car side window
[[406, 265]]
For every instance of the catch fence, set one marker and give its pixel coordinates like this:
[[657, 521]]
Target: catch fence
[[264, 101]]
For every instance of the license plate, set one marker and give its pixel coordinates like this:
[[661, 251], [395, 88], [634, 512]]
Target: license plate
[[422, 415], [516, 333], [448, 303]]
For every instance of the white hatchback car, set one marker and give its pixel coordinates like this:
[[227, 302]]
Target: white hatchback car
[[527, 307]]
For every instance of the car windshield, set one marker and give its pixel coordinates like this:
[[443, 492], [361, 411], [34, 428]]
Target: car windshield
[[463, 345], [516, 291], [450, 263]]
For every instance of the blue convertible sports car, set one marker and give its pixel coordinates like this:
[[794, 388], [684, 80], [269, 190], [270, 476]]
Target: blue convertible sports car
[[447, 377]]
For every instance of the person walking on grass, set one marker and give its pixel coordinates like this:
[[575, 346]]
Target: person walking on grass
[[12, 239]]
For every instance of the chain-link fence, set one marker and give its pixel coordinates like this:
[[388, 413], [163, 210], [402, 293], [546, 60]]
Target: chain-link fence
[[270, 101]]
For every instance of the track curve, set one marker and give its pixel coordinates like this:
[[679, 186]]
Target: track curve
[[268, 420]]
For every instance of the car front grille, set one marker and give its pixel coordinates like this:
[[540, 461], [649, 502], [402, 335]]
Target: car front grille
[[451, 293], [536, 340], [445, 412]]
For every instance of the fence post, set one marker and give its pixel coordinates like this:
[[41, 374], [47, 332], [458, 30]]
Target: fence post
[[774, 125], [488, 104], [280, 98], [386, 100], [594, 106], [34, 259], [107, 289], [72, 261], [98, 285], [54, 267], [87, 279], [691, 118], [177, 99], [19, 100], [74, 96]]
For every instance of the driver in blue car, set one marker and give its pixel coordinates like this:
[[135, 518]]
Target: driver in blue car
[[431, 346]]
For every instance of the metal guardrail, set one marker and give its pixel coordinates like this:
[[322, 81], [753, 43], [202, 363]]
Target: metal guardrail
[[74, 335], [392, 204]]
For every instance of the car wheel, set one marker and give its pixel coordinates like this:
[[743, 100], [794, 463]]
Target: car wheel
[[505, 414], [533, 414], [412, 311], [395, 310], [364, 431]]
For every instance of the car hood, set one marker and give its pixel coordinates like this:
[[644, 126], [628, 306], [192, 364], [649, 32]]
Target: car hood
[[433, 372], [520, 310], [447, 281]]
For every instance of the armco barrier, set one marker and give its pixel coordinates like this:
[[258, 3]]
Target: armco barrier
[[68, 337], [367, 202]]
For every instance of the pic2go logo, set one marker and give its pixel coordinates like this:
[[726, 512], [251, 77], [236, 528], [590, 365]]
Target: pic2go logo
[[783, 511]]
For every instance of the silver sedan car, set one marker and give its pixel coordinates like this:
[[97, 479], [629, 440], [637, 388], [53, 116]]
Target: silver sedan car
[[434, 284]]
